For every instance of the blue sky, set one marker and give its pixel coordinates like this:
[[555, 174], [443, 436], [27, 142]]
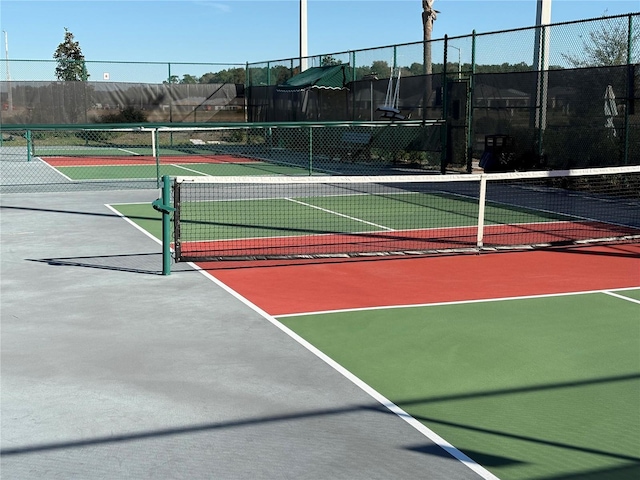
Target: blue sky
[[238, 31], [243, 30]]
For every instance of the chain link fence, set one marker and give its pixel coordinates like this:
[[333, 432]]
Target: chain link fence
[[122, 92], [513, 100], [93, 157], [552, 97]]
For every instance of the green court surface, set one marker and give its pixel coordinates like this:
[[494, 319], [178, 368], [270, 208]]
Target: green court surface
[[343, 213], [89, 151], [533, 388], [283, 217], [112, 172], [143, 215], [633, 294]]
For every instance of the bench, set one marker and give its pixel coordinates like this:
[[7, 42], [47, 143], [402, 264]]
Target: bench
[[354, 145]]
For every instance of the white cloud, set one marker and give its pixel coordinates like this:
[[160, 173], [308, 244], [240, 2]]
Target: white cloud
[[222, 7]]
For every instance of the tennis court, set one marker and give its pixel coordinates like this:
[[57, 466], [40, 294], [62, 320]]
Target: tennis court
[[521, 365], [148, 154], [85, 156], [91, 165]]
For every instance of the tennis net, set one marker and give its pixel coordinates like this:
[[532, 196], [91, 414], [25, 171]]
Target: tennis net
[[318, 216]]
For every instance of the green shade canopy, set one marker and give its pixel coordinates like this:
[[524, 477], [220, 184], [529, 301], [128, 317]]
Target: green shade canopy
[[333, 77]]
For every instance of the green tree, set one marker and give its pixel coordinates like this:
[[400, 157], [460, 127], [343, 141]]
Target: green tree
[[70, 61], [280, 74], [329, 60], [232, 75], [381, 67], [186, 78], [503, 68], [605, 46], [416, 68]]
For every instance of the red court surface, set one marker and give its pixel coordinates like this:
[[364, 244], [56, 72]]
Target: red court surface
[[449, 238], [142, 160], [312, 286]]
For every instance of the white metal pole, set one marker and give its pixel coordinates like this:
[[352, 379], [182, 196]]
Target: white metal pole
[[541, 61], [543, 17], [154, 147], [304, 52], [6, 57], [481, 209]]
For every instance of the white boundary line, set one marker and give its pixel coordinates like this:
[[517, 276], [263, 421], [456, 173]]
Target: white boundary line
[[129, 151], [333, 212], [131, 222], [621, 297], [189, 169], [55, 169], [388, 404], [431, 435], [463, 302]]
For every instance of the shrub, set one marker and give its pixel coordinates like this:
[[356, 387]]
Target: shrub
[[126, 115]]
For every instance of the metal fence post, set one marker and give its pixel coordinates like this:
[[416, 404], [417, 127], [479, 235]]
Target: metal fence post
[[470, 99], [445, 130], [310, 150], [27, 135], [630, 86]]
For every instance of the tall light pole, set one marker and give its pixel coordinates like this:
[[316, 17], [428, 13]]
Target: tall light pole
[[304, 52], [541, 64], [6, 57], [459, 60]]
